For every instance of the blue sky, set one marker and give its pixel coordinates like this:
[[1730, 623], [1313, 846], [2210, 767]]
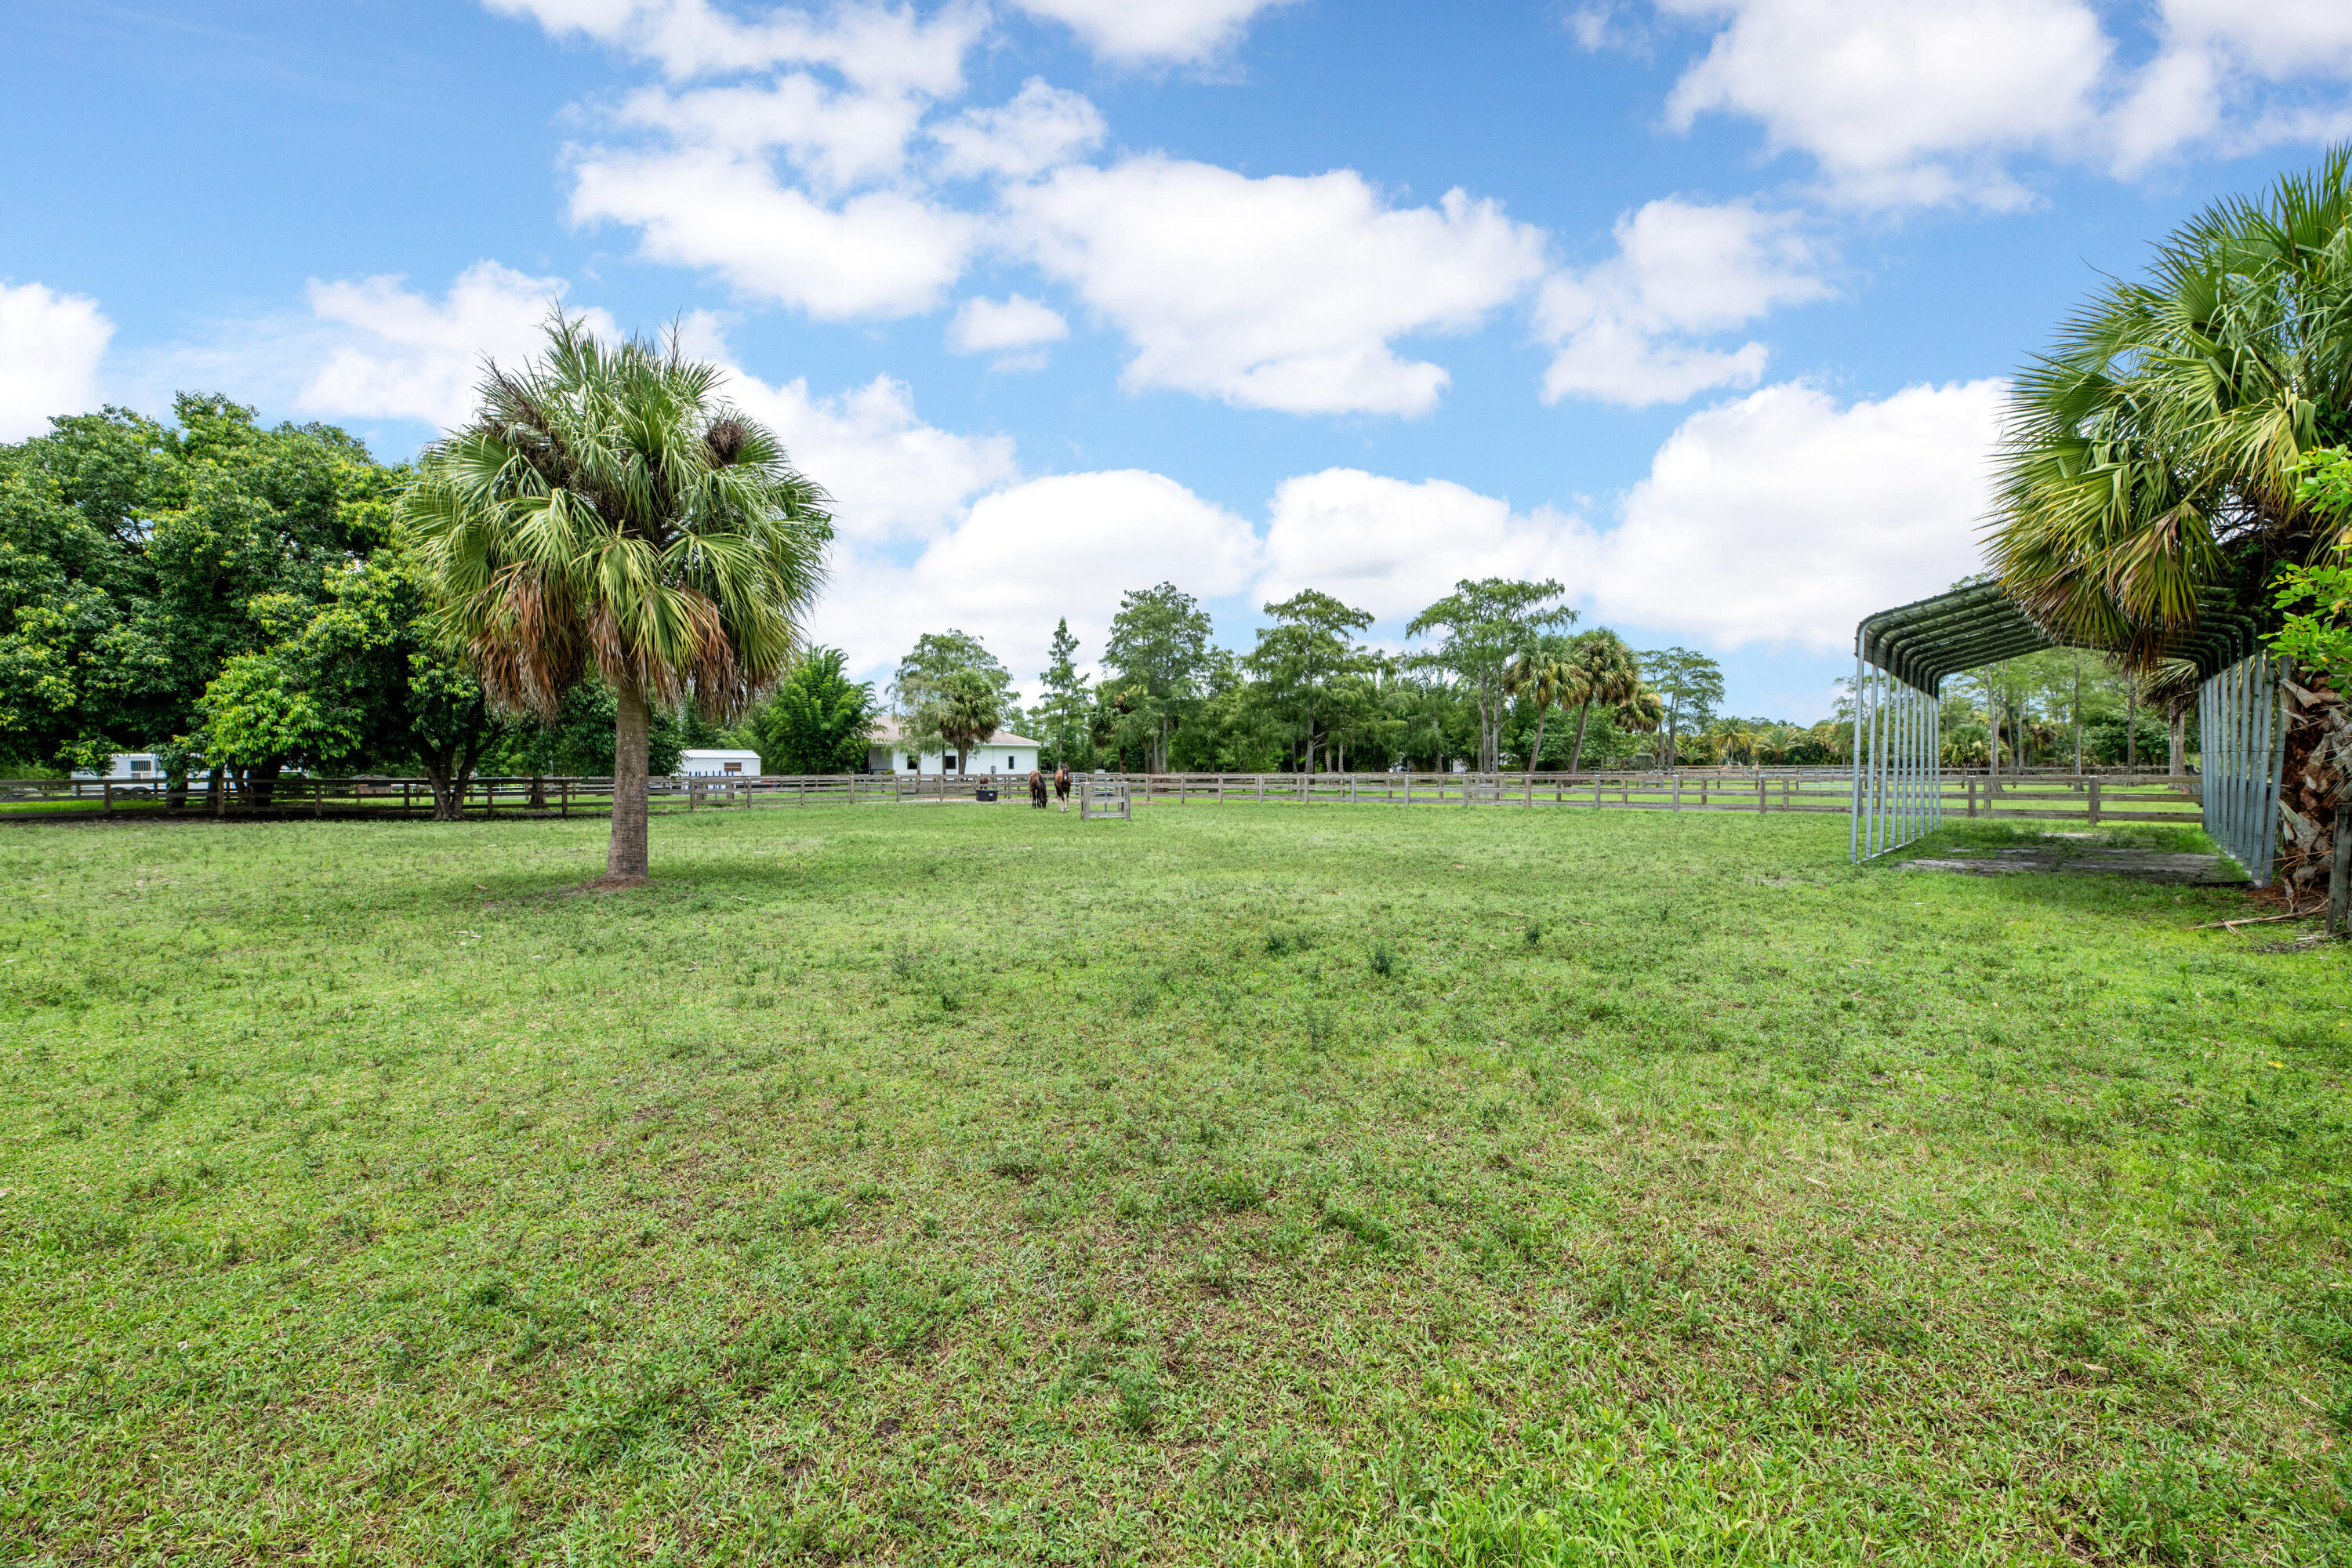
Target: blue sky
[[1702, 307]]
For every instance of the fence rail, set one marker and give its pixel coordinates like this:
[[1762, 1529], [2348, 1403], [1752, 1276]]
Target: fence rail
[[2089, 798]]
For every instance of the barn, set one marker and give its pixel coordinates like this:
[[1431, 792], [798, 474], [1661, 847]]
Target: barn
[[712, 763], [1003, 753]]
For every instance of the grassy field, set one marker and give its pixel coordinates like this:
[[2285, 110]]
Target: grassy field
[[1241, 1185]]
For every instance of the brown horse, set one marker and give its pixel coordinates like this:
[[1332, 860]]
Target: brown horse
[[1062, 785], [1036, 789]]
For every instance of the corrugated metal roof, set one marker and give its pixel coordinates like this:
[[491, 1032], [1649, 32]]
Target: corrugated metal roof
[[1921, 643]]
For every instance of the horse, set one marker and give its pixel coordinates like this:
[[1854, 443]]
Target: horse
[[1036, 789], [1062, 785]]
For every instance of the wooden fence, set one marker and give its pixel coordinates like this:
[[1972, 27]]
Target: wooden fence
[[2088, 799]]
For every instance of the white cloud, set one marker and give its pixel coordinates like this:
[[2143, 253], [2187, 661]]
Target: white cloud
[[2278, 39], [838, 139], [879, 254], [2216, 77], [1681, 269], [51, 345], [1149, 31], [885, 48], [891, 476], [702, 189], [392, 353], [1392, 547], [1042, 128], [1901, 101], [1279, 293], [1782, 517], [1027, 556], [1005, 327]]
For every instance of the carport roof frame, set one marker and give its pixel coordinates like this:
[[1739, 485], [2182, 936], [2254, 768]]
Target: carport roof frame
[[1920, 643]]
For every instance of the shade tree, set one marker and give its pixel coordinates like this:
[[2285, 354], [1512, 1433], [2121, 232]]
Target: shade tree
[[1303, 658], [1479, 628], [1159, 642], [818, 721], [919, 687], [1689, 686]]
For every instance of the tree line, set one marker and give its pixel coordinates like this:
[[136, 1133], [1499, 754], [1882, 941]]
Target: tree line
[[244, 600], [1494, 675]]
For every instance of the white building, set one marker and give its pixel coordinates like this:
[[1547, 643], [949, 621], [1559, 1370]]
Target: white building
[[127, 767], [1003, 753], [717, 764]]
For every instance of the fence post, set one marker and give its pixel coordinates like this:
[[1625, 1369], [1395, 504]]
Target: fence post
[[1761, 785], [106, 794], [405, 787], [2092, 789], [2340, 874], [564, 796]]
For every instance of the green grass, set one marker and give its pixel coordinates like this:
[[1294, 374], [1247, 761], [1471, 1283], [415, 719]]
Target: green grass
[[1237, 1184]]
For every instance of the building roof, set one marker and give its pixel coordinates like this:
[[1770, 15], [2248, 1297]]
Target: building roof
[[888, 732], [1919, 644]]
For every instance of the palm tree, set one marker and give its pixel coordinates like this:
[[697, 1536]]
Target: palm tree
[[1644, 713], [2172, 686], [1738, 741], [1601, 668], [2152, 454], [606, 511], [969, 712], [1542, 678]]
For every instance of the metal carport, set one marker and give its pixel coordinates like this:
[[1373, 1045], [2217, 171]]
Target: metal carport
[[1902, 656]]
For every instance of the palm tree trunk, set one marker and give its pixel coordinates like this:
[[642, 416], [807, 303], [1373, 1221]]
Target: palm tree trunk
[[2312, 784], [625, 863], [1535, 756], [2177, 764], [1576, 751]]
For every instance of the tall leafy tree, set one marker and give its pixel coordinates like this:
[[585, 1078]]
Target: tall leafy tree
[[1231, 729], [607, 510], [1305, 655], [1689, 686], [1160, 639], [819, 721], [1433, 718], [360, 681], [137, 559], [1063, 708], [579, 739], [918, 687], [2155, 452], [1481, 626]]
